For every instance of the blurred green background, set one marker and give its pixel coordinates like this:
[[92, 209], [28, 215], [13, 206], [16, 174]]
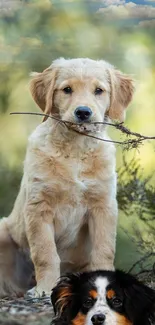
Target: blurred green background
[[32, 34]]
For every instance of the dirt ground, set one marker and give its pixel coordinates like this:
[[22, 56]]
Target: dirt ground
[[21, 311]]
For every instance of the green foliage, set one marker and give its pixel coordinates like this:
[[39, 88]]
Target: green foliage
[[135, 193], [9, 185], [136, 197]]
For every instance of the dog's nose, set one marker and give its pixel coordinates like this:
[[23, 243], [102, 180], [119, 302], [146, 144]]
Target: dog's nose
[[83, 113], [98, 319]]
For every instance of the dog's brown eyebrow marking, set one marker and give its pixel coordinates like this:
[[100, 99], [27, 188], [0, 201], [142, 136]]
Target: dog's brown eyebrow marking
[[110, 293], [93, 294]]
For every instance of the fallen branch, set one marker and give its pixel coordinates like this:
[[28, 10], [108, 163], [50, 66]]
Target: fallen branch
[[131, 143]]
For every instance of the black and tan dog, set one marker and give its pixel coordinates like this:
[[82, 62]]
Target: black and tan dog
[[103, 298]]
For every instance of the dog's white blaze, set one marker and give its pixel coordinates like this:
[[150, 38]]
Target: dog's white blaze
[[101, 285], [101, 305]]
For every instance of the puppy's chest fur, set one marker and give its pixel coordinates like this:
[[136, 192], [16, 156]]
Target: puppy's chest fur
[[84, 170], [73, 168], [80, 180], [79, 176], [72, 178]]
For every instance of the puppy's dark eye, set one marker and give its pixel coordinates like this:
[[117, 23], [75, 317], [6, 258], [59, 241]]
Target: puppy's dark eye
[[67, 90], [98, 91], [116, 302], [88, 303]]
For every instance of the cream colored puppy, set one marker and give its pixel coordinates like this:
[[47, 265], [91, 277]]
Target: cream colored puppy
[[65, 215]]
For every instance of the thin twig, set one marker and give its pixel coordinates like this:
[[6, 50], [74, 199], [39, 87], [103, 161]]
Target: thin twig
[[119, 126], [142, 259], [67, 122]]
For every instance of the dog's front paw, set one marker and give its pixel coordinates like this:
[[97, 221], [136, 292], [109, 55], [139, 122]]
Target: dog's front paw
[[37, 292]]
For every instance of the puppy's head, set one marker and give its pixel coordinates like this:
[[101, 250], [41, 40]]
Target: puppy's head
[[82, 90], [103, 298]]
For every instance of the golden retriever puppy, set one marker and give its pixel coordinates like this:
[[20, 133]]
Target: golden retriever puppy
[[65, 215]]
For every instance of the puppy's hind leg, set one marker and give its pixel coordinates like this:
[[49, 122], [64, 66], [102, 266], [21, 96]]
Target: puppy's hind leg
[[15, 267]]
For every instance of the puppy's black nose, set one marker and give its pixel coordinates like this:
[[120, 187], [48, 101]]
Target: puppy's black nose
[[98, 319], [83, 113]]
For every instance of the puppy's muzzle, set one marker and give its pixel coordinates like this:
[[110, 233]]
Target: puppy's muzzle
[[98, 319], [83, 113]]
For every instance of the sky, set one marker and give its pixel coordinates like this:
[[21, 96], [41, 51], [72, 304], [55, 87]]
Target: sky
[[135, 12], [143, 2]]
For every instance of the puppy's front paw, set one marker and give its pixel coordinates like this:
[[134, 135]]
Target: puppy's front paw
[[38, 292], [31, 293]]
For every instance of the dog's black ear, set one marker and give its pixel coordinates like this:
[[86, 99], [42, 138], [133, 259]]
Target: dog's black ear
[[64, 294], [139, 299]]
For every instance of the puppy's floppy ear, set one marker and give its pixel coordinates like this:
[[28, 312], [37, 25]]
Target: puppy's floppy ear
[[139, 299], [122, 88], [64, 294], [42, 89]]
